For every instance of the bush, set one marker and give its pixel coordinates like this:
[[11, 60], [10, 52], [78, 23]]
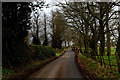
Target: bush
[[16, 55], [6, 73], [21, 53], [41, 52]]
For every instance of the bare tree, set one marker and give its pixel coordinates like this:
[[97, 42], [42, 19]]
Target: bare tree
[[58, 28], [45, 31]]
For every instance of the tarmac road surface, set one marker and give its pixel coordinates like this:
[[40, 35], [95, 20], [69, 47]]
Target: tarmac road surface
[[63, 67]]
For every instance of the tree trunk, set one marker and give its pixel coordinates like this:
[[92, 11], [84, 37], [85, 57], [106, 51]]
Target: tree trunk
[[68, 44], [108, 41], [118, 47], [65, 43], [46, 39], [118, 53], [102, 36], [86, 47], [108, 38], [86, 43], [93, 45], [79, 41]]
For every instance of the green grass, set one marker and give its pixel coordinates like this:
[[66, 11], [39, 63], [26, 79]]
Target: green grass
[[89, 63], [58, 54], [112, 48], [112, 60], [83, 49], [103, 72], [7, 73], [112, 51], [112, 57], [11, 73]]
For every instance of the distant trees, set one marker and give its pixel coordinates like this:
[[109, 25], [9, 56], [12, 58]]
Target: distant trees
[[16, 23], [93, 21], [36, 8], [40, 21], [58, 24], [45, 31], [36, 26], [36, 20], [91, 24]]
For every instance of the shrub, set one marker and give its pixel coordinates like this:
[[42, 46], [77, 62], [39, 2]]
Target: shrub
[[42, 52], [6, 73], [16, 55]]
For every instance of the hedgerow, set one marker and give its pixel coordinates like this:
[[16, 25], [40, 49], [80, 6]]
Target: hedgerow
[[41, 52]]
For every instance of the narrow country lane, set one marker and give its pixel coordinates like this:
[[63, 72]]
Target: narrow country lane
[[63, 67]]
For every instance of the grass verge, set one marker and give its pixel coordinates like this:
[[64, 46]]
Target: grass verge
[[25, 70], [96, 69]]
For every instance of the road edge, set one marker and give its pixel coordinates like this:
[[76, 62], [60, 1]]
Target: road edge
[[84, 72], [28, 73]]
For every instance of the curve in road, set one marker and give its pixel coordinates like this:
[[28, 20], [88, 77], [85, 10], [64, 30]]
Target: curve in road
[[63, 67]]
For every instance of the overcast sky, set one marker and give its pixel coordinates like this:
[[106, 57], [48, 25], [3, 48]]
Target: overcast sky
[[53, 7], [53, 2]]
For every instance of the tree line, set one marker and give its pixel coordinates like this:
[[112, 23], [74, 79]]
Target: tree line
[[20, 22], [96, 25], [92, 25]]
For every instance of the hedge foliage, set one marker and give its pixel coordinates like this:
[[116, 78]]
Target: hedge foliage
[[16, 55], [21, 55], [41, 52]]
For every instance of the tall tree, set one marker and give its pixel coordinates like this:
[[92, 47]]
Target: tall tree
[[90, 20], [37, 7], [118, 45], [16, 23], [36, 26], [58, 28], [45, 31]]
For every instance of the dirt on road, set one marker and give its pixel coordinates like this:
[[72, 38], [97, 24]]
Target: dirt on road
[[63, 67]]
